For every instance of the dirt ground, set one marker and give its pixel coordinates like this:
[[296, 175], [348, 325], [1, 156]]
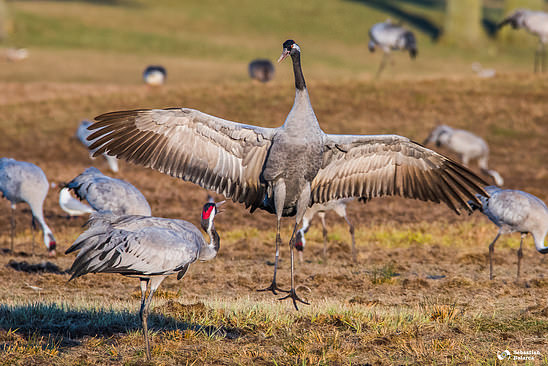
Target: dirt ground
[[414, 259]]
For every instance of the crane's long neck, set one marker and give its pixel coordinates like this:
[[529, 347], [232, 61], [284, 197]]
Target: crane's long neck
[[298, 71], [210, 250], [38, 214]]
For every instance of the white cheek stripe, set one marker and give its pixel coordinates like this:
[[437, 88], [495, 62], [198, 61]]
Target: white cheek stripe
[[296, 46]]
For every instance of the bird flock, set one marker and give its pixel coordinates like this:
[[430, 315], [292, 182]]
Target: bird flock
[[294, 170]]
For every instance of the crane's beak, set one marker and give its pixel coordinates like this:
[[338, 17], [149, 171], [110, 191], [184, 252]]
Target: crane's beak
[[284, 54], [219, 204]]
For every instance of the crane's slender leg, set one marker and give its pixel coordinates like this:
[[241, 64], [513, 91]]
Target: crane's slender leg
[[12, 226], [491, 251], [145, 304], [384, 61], [302, 205], [351, 229], [279, 194], [520, 253], [324, 233], [543, 65], [32, 229]]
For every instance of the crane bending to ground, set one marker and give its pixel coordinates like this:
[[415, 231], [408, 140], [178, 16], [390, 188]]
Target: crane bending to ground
[[283, 170], [71, 205], [145, 247], [82, 134], [389, 36], [25, 182], [536, 23], [515, 211], [467, 145]]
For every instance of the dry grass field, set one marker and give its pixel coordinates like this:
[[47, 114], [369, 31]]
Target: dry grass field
[[420, 292]]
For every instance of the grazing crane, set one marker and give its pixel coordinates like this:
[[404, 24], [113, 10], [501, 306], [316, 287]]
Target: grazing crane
[[465, 144], [25, 182], [104, 193], [514, 211], [482, 72], [282, 170], [339, 206], [148, 248], [71, 205], [155, 75], [261, 70], [389, 36], [82, 134], [535, 22]]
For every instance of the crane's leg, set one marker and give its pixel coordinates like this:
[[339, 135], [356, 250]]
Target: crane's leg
[[145, 304], [12, 226], [279, 194], [302, 205], [543, 65], [351, 229], [324, 233], [520, 253], [32, 230], [384, 61], [491, 251]]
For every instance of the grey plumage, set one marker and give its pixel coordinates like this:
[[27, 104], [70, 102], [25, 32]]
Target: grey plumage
[[339, 207], [282, 170], [388, 37], [261, 70], [515, 211], [82, 134], [536, 23], [467, 145], [21, 181], [104, 193], [71, 205], [148, 248]]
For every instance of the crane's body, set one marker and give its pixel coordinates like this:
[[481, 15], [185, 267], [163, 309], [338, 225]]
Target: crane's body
[[466, 145], [515, 211], [105, 193], [390, 37], [82, 134], [339, 207], [21, 181], [536, 23], [71, 205], [148, 248], [282, 170]]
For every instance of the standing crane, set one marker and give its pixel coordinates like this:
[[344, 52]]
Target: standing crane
[[261, 70], [283, 170], [389, 36], [536, 23], [515, 211], [145, 247], [339, 206], [104, 193], [82, 134], [71, 205], [465, 144], [25, 182]]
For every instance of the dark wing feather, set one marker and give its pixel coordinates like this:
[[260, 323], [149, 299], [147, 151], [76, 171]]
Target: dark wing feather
[[391, 165], [217, 154]]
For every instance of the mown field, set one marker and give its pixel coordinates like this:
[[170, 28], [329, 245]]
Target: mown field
[[420, 292]]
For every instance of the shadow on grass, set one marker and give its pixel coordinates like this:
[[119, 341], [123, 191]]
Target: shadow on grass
[[71, 325], [42, 267], [416, 20]]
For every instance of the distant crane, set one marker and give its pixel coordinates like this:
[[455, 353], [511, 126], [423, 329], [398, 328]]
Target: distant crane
[[481, 72], [514, 211], [389, 36], [16, 54], [104, 193], [536, 23], [261, 70], [82, 134], [465, 144], [21, 181], [339, 206], [71, 205], [155, 75], [148, 248]]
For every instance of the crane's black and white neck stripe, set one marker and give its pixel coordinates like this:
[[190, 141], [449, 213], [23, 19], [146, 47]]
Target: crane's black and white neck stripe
[[293, 49]]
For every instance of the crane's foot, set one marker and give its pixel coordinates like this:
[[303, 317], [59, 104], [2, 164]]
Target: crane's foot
[[293, 295], [273, 287]]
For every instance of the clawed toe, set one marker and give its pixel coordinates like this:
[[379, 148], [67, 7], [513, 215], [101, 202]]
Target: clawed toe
[[273, 287], [293, 295]]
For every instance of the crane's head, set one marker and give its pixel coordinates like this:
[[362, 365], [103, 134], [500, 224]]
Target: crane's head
[[289, 48], [300, 242], [208, 214]]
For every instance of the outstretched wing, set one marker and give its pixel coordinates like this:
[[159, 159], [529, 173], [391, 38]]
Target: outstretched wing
[[217, 154], [391, 165]]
